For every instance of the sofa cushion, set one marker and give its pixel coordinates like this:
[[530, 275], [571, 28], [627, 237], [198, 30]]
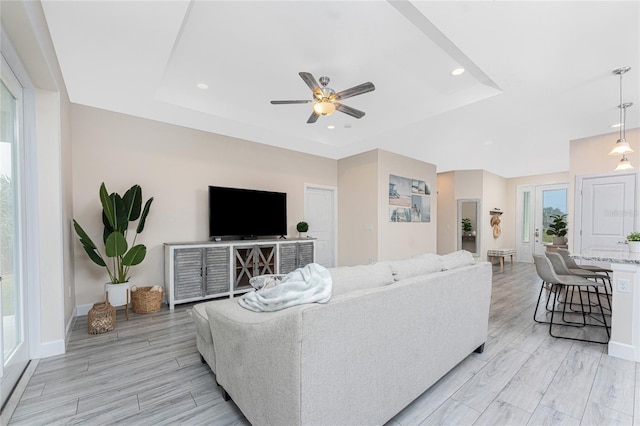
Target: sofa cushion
[[427, 263], [349, 278], [456, 259]]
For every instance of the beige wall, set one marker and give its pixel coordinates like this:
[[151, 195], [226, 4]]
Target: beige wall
[[357, 211], [175, 165], [446, 213], [366, 234], [50, 219], [401, 240]]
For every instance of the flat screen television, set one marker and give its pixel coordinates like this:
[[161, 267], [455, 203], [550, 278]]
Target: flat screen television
[[246, 213]]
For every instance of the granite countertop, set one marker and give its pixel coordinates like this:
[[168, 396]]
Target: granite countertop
[[617, 255]]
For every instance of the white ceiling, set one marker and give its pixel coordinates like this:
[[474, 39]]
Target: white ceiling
[[539, 73]]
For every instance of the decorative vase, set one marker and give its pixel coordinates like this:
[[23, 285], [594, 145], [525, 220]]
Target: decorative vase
[[118, 293], [634, 246], [302, 234], [559, 240], [473, 233]]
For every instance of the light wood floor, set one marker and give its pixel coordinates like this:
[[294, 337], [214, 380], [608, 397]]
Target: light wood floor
[[148, 371]]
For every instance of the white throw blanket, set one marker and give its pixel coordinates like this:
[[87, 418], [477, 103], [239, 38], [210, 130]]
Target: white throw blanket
[[309, 284]]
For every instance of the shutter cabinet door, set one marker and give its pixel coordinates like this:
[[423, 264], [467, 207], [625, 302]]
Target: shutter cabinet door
[[305, 254], [217, 277], [188, 273], [288, 258]]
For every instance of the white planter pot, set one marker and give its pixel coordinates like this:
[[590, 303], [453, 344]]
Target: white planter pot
[[118, 293], [634, 246], [303, 234]]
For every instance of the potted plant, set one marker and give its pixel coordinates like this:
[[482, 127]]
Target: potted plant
[[558, 228], [302, 228], [466, 225], [119, 256], [634, 242]]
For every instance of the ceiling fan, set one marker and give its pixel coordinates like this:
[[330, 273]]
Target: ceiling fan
[[325, 99]]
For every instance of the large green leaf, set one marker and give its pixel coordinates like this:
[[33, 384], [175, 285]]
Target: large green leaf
[[120, 213], [133, 202], [88, 245], [94, 255], [84, 238], [107, 230], [108, 207], [135, 255], [116, 245], [143, 218]]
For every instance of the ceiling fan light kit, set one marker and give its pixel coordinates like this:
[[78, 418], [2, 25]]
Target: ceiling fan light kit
[[622, 147], [324, 107], [325, 99]]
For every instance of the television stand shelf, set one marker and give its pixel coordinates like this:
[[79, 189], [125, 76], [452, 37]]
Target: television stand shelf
[[196, 271]]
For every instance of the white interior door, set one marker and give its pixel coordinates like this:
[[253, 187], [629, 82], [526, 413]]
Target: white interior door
[[13, 340], [606, 207], [320, 212]]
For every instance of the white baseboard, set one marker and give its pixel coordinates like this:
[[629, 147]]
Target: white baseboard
[[82, 310], [621, 350], [52, 348]]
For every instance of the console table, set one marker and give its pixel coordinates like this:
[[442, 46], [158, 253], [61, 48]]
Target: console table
[[196, 271], [625, 316]]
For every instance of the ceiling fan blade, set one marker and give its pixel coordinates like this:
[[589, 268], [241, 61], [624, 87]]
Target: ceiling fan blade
[[313, 118], [310, 80], [348, 110], [356, 90], [290, 102]]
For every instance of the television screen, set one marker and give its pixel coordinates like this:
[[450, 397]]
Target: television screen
[[246, 213]]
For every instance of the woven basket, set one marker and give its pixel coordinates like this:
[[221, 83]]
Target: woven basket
[[145, 301], [101, 318]]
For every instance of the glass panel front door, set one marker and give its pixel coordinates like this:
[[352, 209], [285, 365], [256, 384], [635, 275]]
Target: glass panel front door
[[550, 200]]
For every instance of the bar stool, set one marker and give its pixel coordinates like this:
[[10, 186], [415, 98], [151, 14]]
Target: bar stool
[[561, 268], [546, 272], [566, 255], [571, 264]]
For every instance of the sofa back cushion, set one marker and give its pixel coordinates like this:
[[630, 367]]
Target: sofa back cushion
[[349, 278], [427, 263], [456, 260]]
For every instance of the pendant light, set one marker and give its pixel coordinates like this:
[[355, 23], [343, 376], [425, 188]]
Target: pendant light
[[624, 164], [622, 146]]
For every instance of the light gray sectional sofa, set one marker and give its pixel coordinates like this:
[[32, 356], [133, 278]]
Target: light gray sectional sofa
[[389, 332]]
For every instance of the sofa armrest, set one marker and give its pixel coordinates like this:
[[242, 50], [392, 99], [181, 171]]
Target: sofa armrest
[[258, 363]]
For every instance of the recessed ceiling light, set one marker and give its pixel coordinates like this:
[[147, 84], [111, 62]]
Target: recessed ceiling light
[[457, 71], [331, 127], [202, 86]]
